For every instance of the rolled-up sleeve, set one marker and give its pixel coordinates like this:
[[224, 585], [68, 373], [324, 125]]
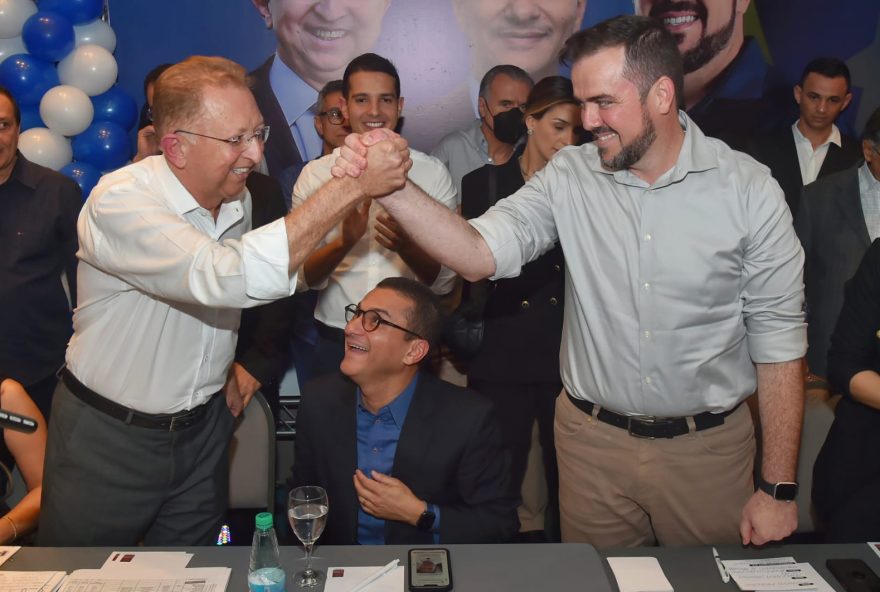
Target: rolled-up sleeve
[[519, 228], [773, 287]]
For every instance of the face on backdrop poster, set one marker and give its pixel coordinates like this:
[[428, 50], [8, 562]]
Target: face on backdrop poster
[[742, 57]]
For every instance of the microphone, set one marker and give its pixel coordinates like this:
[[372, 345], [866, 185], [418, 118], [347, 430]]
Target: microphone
[[19, 423]]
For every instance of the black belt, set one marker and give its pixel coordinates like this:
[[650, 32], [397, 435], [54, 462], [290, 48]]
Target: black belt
[[170, 422], [330, 333], [649, 426]]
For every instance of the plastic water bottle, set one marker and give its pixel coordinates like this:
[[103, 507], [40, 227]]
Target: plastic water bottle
[[265, 573]]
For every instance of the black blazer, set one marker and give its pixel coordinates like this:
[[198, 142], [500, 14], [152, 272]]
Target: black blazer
[[778, 152], [848, 461], [529, 305], [831, 227], [263, 335], [449, 454], [282, 157]]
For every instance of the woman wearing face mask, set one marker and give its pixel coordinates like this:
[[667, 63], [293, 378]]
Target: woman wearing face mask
[[518, 362]]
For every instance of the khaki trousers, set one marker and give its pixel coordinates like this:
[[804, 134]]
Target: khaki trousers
[[616, 490]]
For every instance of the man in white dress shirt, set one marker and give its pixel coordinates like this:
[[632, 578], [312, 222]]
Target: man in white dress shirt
[[144, 411], [368, 245]]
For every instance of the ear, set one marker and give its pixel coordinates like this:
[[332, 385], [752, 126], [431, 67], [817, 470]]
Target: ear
[[399, 107], [174, 149], [742, 6], [319, 125], [531, 122], [418, 349], [868, 150], [846, 100], [483, 108], [579, 16], [662, 94], [798, 92], [262, 7]]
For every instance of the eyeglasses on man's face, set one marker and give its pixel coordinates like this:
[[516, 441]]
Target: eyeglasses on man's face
[[370, 320], [239, 142], [334, 116]]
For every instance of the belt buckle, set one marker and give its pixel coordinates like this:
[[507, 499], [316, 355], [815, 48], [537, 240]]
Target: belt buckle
[[178, 422], [646, 420]]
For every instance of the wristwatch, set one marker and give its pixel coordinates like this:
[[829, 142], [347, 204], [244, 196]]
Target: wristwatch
[[426, 520], [784, 491]]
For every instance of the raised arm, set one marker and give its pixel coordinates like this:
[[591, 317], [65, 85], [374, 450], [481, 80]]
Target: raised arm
[[442, 233]]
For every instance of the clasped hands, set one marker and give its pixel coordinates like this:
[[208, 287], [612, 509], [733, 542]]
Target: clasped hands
[[378, 159]]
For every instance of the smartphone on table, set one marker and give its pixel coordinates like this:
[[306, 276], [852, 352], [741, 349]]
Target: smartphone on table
[[854, 575], [429, 570]]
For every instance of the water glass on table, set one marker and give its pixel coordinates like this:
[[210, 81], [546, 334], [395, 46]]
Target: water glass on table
[[307, 511]]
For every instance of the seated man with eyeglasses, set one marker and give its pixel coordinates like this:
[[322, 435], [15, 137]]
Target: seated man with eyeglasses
[[138, 445], [406, 458]]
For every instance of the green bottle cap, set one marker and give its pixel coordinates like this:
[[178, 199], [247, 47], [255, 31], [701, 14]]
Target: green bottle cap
[[264, 521]]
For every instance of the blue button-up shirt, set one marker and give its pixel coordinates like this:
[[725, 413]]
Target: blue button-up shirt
[[297, 100], [377, 437]]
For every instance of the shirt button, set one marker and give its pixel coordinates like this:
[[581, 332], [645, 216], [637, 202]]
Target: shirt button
[[205, 359], [557, 267], [648, 236], [646, 286], [647, 335], [553, 301], [525, 304], [375, 450], [378, 421], [647, 380]]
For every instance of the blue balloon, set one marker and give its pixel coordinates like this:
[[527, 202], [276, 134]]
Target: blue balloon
[[117, 106], [30, 117], [48, 35], [85, 175], [104, 145], [79, 12], [27, 77]]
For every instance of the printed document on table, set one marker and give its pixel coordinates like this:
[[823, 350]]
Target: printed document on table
[[774, 573], [30, 581], [639, 574], [343, 579], [198, 579], [149, 559], [6, 553]]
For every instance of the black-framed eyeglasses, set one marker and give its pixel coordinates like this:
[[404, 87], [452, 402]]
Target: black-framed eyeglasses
[[371, 320], [334, 116], [239, 142]]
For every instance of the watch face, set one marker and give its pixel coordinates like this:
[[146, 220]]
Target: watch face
[[786, 492], [426, 521]]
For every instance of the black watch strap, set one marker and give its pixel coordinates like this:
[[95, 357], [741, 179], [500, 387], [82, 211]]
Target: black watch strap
[[426, 520], [784, 491]]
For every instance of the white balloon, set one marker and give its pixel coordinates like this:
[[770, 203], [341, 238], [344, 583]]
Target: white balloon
[[13, 14], [90, 68], [10, 47], [45, 147], [66, 110], [96, 32]]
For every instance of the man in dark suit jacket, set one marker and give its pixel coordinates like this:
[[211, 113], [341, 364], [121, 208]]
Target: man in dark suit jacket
[[405, 457], [813, 146], [836, 231]]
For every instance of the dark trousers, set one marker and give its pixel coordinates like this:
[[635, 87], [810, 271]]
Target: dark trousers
[[107, 483], [517, 407]]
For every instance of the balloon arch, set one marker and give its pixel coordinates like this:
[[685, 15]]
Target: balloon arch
[[56, 58]]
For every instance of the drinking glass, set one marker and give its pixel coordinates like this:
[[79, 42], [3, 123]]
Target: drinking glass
[[307, 512]]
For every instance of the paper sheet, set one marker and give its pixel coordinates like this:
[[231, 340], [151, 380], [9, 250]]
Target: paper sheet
[[639, 574], [200, 579], [6, 553], [773, 573], [147, 559], [343, 579], [30, 581]]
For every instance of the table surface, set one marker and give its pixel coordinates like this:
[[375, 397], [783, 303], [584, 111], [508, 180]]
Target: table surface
[[485, 568]]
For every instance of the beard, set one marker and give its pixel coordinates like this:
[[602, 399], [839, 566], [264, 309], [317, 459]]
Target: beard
[[709, 46], [633, 152]]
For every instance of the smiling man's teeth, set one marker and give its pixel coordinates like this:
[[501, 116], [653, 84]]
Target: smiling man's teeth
[[329, 35], [241, 170], [673, 21], [357, 347], [374, 124]]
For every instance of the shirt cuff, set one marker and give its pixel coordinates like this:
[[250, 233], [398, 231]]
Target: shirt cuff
[[435, 529], [266, 257], [778, 346], [505, 250]]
